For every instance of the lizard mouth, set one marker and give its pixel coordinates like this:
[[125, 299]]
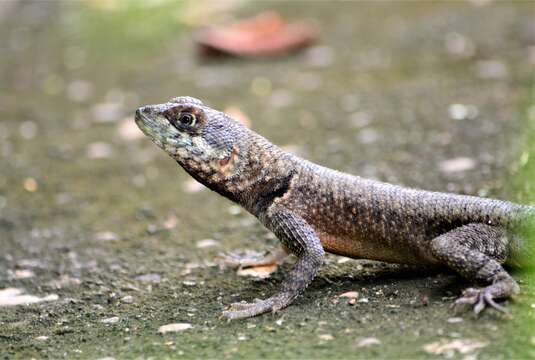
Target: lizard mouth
[[143, 122], [147, 125], [158, 133]]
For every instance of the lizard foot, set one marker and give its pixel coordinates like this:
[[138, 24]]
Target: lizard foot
[[479, 299], [244, 310]]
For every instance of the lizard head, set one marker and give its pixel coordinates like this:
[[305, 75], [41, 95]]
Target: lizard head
[[202, 140]]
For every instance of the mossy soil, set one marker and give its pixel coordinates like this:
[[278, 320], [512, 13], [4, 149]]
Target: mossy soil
[[374, 98]]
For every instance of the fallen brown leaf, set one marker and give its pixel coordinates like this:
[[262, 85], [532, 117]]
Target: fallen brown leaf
[[264, 35]]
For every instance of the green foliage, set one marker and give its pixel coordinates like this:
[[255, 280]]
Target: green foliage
[[521, 342], [125, 28]]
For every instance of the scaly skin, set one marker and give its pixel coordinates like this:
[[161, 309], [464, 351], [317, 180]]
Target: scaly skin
[[313, 209]]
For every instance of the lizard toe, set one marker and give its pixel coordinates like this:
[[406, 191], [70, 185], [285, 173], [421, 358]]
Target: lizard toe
[[479, 299], [486, 300], [469, 298]]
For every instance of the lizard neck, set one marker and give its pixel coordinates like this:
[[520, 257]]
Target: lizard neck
[[265, 173], [253, 174], [256, 173]]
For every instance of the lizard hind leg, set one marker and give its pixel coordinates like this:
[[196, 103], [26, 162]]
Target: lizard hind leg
[[477, 252]]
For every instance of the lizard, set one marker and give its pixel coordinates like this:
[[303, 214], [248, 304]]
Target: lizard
[[313, 209]]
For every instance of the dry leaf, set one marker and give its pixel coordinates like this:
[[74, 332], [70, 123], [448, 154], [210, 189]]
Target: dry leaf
[[261, 272], [266, 34]]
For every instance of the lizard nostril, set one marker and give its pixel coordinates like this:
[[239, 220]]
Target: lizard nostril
[[142, 110]]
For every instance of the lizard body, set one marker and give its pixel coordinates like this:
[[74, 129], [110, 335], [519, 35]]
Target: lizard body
[[313, 209]]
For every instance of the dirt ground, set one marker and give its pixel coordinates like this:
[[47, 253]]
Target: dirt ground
[[104, 227]]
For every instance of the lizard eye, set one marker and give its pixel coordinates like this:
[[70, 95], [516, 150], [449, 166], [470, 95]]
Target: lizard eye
[[187, 119]]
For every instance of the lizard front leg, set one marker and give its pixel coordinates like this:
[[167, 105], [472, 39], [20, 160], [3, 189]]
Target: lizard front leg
[[301, 240], [476, 251]]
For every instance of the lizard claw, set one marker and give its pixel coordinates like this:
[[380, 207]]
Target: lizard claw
[[479, 299]]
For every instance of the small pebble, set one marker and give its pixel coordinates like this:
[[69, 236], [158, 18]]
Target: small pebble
[[110, 320], [458, 164], [455, 320], [170, 222], [155, 278], [13, 296], [326, 337], [205, 243], [234, 210], [106, 236], [23, 274], [448, 347], [369, 341], [192, 186], [128, 299], [350, 295], [30, 184], [177, 327], [462, 112]]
